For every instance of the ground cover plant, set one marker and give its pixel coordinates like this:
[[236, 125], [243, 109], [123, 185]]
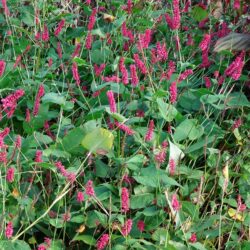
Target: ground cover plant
[[121, 127]]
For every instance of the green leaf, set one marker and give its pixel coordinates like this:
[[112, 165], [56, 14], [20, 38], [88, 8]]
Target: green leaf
[[42, 138], [245, 245], [237, 99], [53, 98], [80, 61], [57, 222], [198, 245], [136, 161], [200, 144], [102, 169], [98, 140], [102, 193], [174, 245], [188, 129], [150, 211], [118, 22], [118, 117], [99, 33], [56, 245], [73, 139], [141, 200], [77, 219], [27, 17], [160, 235], [217, 101], [16, 245], [93, 217], [198, 13], [87, 239], [52, 150], [167, 111], [100, 56], [189, 101], [153, 177], [190, 209]]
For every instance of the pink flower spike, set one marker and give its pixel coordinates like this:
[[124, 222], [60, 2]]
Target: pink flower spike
[[237, 4], [111, 99], [40, 94], [71, 177], [111, 79], [141, 225], [75, 73], [9, 230], [237, 123], [61, 168], [89, 40], [59, 50], [3, 134], [171, 69], [99, 69], [144, 39], [221, 79], [241, 207], [38, 157], [190, 41], [18, 142], [18, 60], [127, 227], [124, 29], [129, 6], [124, 128], [185, 74], [3, 157], [125, 200], [37, 36], [102, 242], [92, 20], [89, 190], [172, 166], [42, 247], [5, 7], [204, 44], [161, 52], [47, 241], [187, 6], [10, 174], [193, 238], [235, 68], [77, 50], [50, 62], [124, 71], [205, 59], [59, 27], [80, 196], [2, 67], [175, 203], [45, 33], [140, 64], [173, 92], [174, 22], [133, 74], [10, 102], [208, 83], [149, 134], [66, 216]]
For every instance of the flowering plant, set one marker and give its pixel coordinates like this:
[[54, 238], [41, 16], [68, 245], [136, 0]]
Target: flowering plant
[[121, 128]]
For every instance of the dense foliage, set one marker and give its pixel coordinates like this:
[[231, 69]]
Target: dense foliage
[[121, 128]]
